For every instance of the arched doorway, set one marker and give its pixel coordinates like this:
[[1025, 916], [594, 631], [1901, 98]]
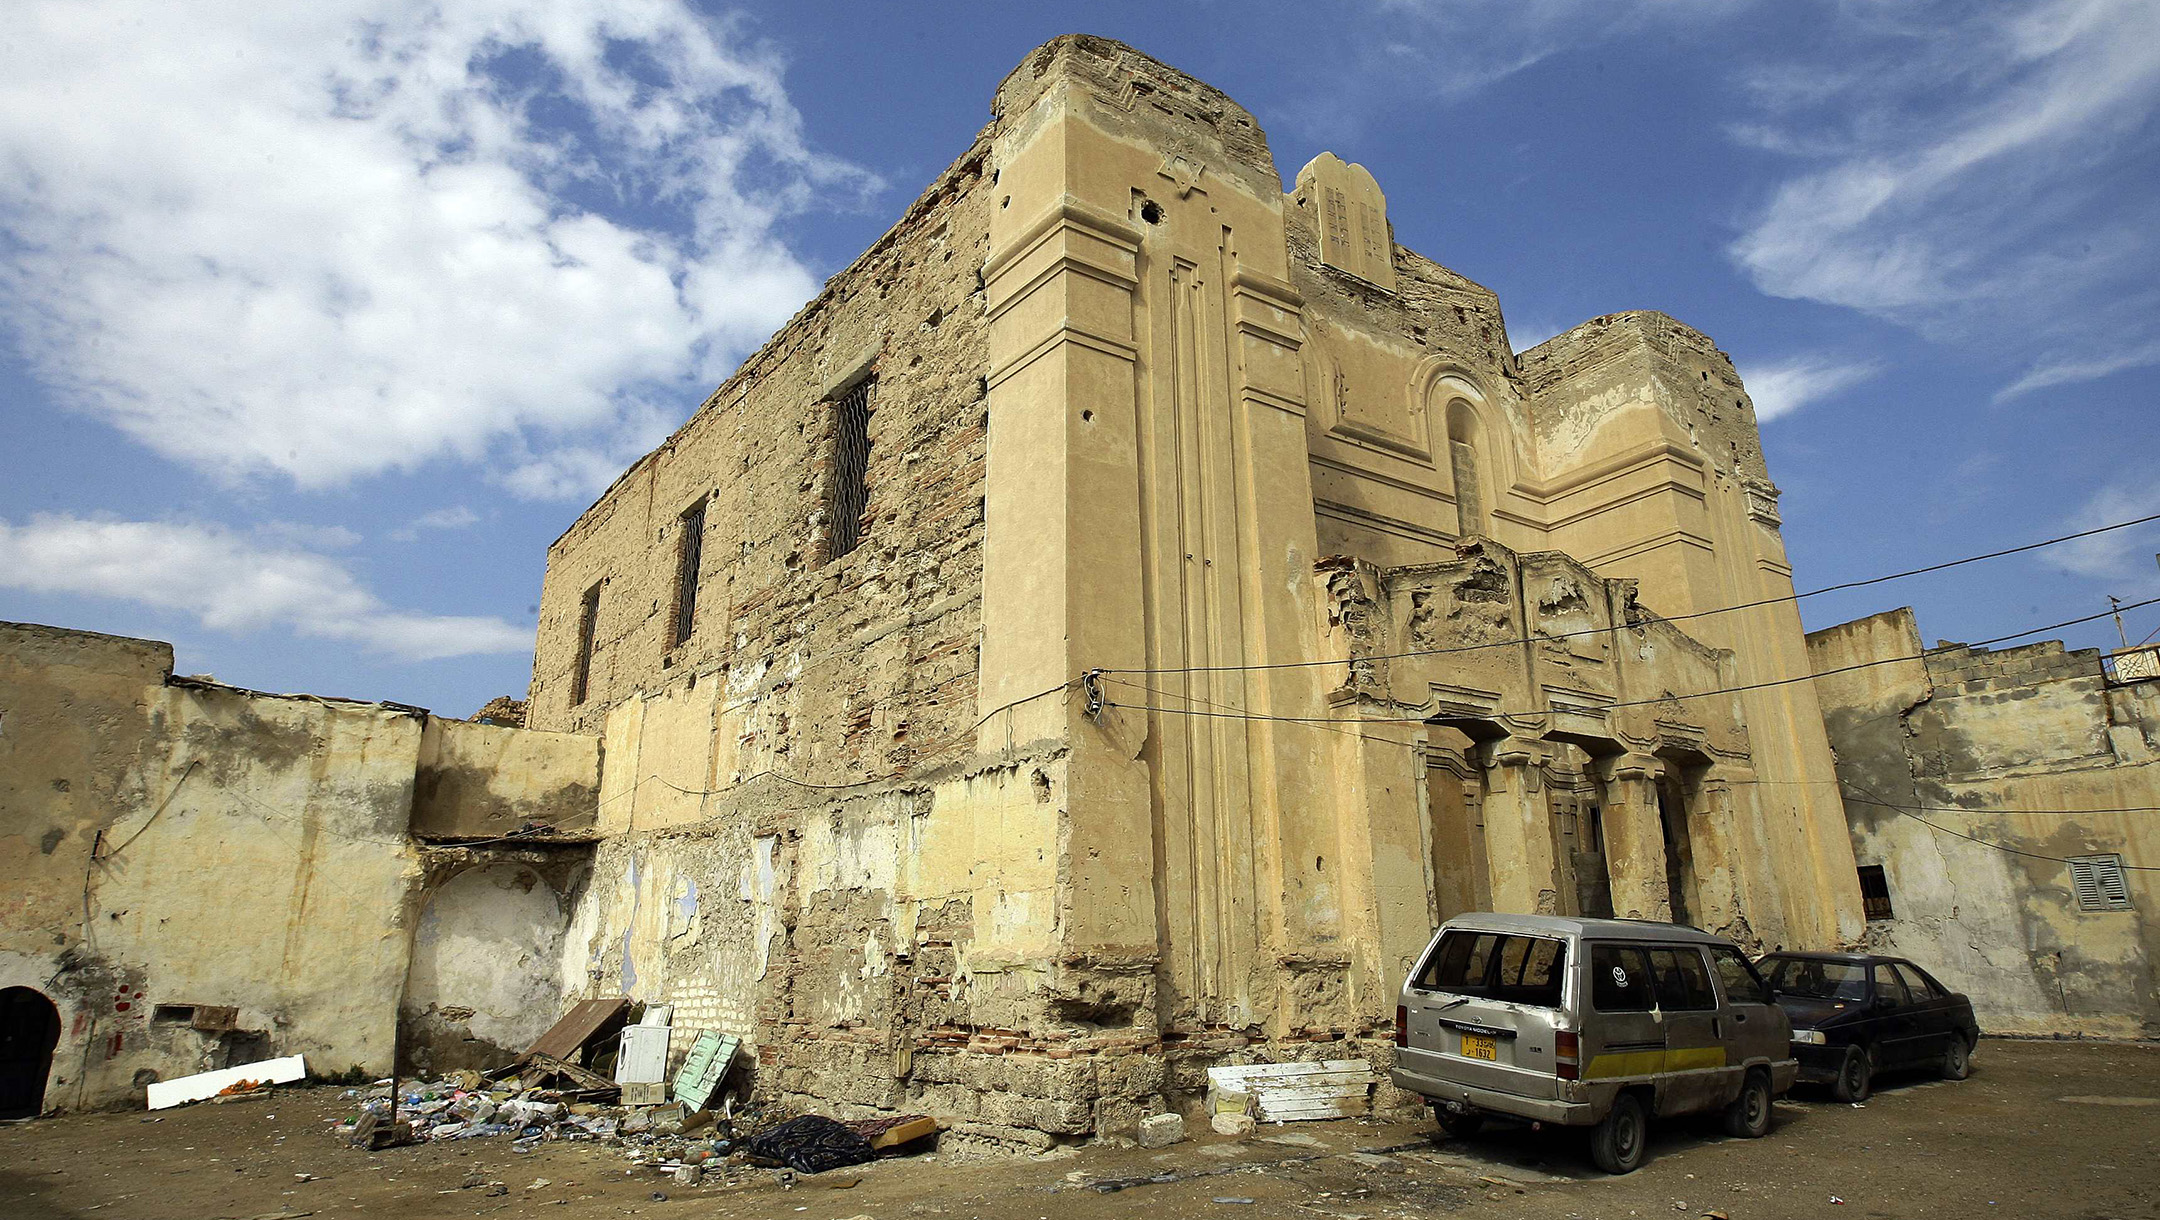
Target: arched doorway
[[29, 1030]]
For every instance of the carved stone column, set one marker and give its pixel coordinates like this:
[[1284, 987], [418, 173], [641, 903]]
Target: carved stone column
[[1518, 828], [1712, 816], [1635, 836]]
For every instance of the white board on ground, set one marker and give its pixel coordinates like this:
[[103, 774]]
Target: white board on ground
[[1294, 1092], [165, 1094]]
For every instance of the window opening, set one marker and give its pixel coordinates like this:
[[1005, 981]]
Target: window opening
[[588, 619], [1889, 990], [1498, 966], [2099, 883], [689, 553], [1875, 891], [850, 494]]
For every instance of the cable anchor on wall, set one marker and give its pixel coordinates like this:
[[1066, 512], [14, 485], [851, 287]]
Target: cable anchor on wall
[[1091, 686]]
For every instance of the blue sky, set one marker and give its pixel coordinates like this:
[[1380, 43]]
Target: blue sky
[[319, 322]]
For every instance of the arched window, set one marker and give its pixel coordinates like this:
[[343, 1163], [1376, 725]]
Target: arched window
[[1462, 432]]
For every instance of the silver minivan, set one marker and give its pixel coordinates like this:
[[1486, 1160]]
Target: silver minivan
[[1596, 1023]]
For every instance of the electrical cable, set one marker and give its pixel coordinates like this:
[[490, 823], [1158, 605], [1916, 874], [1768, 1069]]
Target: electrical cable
[[2001, 847], [1604, 707], [1672, 618]]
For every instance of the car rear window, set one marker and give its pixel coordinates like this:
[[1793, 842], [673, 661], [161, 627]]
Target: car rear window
[[1497, 966], [1815, 979]]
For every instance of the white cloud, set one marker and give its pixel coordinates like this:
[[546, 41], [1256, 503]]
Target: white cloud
[[342, 237], [2122, 560], [1781, 388], [456, 517], [232, 583], [1976, 172]]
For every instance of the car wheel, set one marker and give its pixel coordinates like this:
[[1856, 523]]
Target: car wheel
[[1748, 1117], [1957, 1058], [1459, 1126], [1617, 1143], [1856, 1076]]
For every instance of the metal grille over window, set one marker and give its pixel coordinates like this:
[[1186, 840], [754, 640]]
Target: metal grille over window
[[588, 620], [688, 555], [851, 468], [2100, 883], [1875, 892]]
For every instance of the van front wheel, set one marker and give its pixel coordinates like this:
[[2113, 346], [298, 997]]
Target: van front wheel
[[1616, 1144]]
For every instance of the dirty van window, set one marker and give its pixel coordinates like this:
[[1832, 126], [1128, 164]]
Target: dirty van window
[[1742, 984], [1683, 984], [1497, 966], [1620, 979]]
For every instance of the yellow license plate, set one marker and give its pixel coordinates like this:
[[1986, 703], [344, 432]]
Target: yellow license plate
[[1478, 1046]]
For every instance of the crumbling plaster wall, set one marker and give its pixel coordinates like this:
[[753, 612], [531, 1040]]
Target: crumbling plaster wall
[[485, 978], [228, 849], [199, 875], [1983, 744], [482, 781]]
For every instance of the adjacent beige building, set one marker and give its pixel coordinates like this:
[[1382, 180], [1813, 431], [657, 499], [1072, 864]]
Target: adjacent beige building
[[1107, 628], [2005, 808], [195, 876]]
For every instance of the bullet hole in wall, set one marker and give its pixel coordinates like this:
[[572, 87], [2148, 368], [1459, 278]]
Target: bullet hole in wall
[[1151, 212]]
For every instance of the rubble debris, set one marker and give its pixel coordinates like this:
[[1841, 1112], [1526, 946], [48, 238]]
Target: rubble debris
[[1233, 1124], [892, 1133], [1162, 1130], [1296, 1092], [810, 1144], [587, 1022], [202, 1086], [548, 1100]]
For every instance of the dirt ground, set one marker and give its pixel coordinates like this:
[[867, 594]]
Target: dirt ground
[[2041, 1129]]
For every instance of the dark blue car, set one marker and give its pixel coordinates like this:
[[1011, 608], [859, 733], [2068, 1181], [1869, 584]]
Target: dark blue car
[[1856, 1014]]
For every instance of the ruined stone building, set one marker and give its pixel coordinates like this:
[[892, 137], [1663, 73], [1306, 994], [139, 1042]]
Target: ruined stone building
[[1107, 628], [195, 876], [2002, 803]]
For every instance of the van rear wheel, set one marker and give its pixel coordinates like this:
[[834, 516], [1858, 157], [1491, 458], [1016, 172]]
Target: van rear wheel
[[1459, 1125], [1748, 1117], [1617, 1143]]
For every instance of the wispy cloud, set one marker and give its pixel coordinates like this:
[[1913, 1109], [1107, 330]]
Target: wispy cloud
[[331, 239], [455, 517], [1976, 172], [1458, 46], [231, 582], [2123, 561], [1783, 387]]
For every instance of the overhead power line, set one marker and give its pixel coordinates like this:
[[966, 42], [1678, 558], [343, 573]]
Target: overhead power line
[[1923, 654], [1670, 618]]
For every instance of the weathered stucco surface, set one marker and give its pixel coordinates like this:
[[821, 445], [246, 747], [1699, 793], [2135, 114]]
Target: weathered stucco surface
[[1138, 410], [199, 875], [2031, 750]]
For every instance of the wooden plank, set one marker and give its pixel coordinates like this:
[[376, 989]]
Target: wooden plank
[[705, 1067], [586, 1021], [1293, 1092]]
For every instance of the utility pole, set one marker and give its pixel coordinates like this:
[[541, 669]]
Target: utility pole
[[2115, 604]]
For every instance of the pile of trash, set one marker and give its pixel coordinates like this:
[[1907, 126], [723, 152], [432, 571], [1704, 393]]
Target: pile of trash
[[556, 1091]]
